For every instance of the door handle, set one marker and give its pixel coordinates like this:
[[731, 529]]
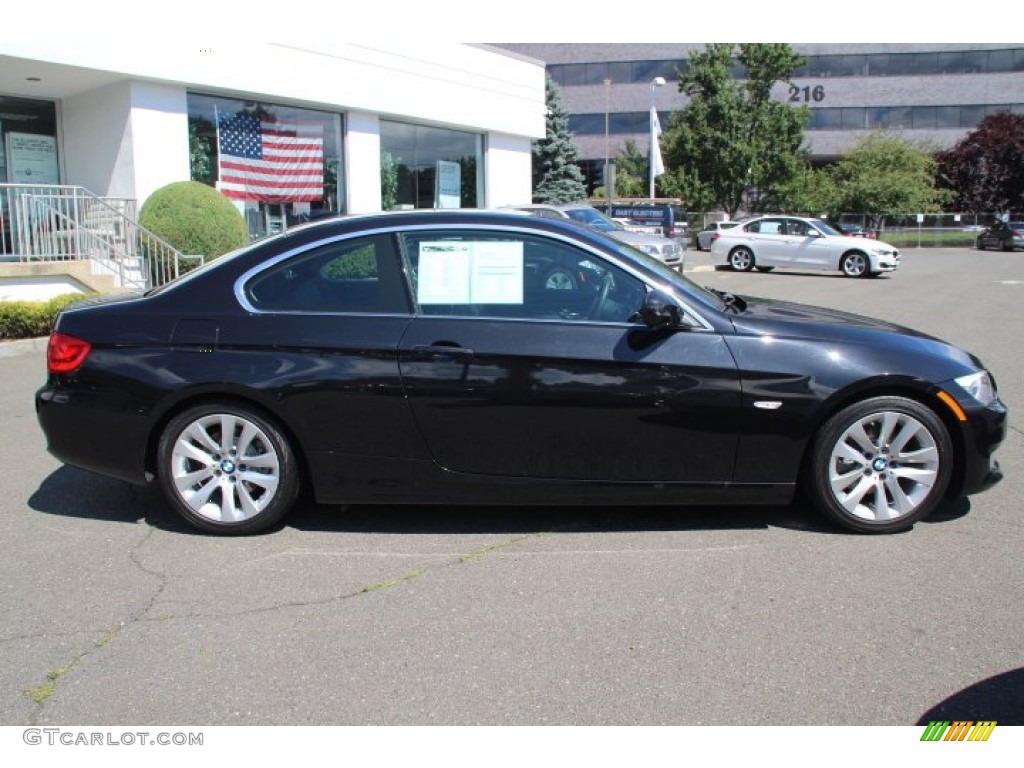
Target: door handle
[[443, 351]]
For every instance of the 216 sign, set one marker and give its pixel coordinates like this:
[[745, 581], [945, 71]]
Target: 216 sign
[[807, 93]]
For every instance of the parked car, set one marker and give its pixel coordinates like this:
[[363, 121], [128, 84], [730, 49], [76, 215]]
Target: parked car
[[1005, 235], [659, 218], [703, 239], [666, 249], [850, 230], [767, 242], [414, 357]]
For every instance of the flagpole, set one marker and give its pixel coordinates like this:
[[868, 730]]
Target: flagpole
[[216, 125]]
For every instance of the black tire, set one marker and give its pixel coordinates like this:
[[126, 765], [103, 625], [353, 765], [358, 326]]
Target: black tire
[[979, 244], [741, 259], [880, 465], [239, 486], [1007, 244], [855, 264]]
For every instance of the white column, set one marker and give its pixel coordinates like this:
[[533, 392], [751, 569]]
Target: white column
[[362, 162]]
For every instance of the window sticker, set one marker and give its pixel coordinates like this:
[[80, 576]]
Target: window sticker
[[470, 272]]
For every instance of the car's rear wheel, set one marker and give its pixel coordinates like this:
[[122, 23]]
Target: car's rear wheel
[[228, 469], [880, 465], [855, 265], [741, 259]]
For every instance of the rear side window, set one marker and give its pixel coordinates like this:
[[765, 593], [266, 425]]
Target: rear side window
[[358, 275]]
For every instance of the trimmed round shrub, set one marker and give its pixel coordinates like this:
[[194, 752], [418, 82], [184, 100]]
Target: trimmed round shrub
[[195, 219]]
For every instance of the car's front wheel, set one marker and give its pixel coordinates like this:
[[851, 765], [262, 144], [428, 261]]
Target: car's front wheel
[[741, 259], [228, 469], [979, 244], [855, 265], [880, 465]]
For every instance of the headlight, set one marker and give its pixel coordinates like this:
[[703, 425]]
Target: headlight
[[979, 386], [653, 250]]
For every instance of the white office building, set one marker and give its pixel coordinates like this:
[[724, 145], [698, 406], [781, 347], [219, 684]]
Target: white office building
[[123, 120]]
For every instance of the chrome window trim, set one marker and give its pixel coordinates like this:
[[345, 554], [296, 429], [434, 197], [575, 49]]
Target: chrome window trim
[[647, 280]]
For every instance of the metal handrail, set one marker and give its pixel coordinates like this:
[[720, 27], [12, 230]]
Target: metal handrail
[[48, 222]]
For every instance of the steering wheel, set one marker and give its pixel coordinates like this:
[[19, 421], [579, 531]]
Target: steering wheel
[[602, 294]]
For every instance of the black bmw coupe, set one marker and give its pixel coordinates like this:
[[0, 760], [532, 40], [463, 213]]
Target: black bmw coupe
[[478, 357]]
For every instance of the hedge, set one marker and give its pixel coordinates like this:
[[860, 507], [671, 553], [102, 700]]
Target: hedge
[[30, 319]]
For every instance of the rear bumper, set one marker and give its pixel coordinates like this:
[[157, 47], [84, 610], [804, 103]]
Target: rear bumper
[[95, 433]]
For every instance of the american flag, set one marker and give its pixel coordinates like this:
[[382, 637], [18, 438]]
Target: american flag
[[275, 162]]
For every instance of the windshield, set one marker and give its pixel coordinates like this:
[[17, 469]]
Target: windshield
[[671, 275], [593, 219]]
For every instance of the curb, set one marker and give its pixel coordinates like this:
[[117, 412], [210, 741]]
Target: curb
[[23, 346]]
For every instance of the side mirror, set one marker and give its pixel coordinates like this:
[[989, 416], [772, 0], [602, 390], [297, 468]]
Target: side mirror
[[660, 311]]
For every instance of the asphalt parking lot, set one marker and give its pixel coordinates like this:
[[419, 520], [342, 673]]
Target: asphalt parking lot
[[115, 613]]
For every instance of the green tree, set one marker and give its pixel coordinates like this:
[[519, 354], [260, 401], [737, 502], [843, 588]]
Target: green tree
[[388, 180], [630, 171], [201, 138], [985, 169], [733, 145], [556, 172], [811, 191], [886, 174]]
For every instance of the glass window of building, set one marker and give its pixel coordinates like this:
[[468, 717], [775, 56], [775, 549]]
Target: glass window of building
[[596, 73], [947, 117], [426, 167], [925, 117], [826, 120], [951, 62], [853, 65], [282, 165], [975, 61], [620, 71], [28, 156], [878, 64], [971, 115], [28, 141], [1000, 61], [644, 71], [853, 118]]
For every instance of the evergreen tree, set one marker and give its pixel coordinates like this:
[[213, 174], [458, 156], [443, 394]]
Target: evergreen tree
[[556, 172]]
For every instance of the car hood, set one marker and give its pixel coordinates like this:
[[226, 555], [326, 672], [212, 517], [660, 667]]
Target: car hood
[[786, 319]]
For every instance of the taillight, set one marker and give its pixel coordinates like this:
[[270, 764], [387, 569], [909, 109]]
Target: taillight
[[64, 354]]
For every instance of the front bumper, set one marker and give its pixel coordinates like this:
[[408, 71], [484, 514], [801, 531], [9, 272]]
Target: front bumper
[[886, 263], [982, 433]]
